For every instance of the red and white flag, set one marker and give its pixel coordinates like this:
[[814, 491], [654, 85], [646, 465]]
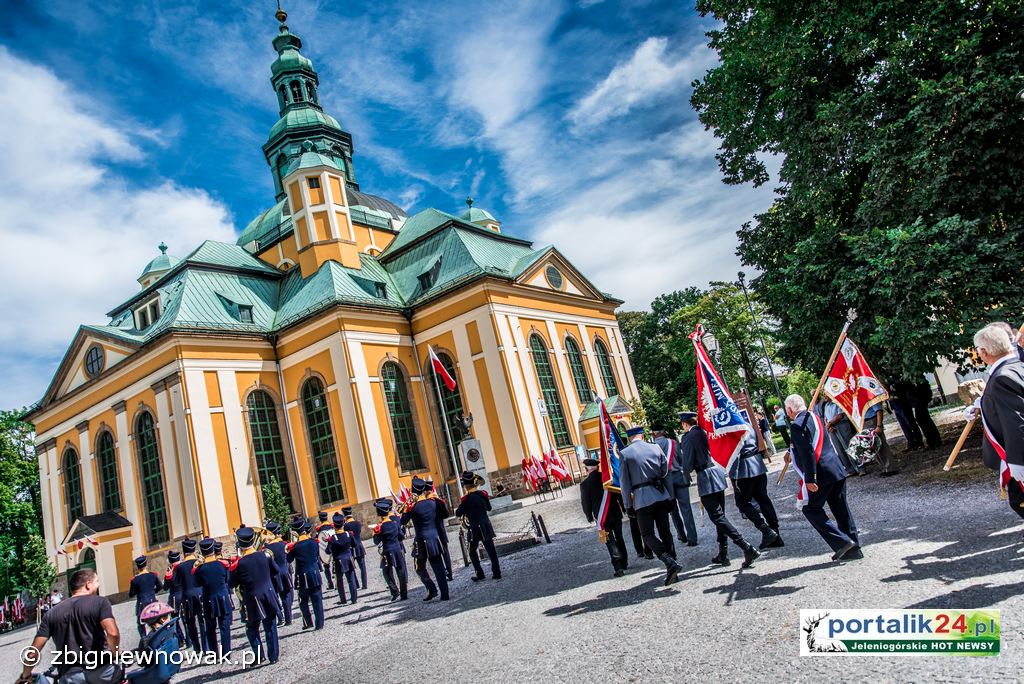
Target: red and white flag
[[441, 371], [528, 474], [19, 609], [557, 468], [817, 430], [852, 385]]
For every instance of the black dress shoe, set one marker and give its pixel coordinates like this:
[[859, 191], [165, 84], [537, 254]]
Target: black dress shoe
[[691, 543], [394, 597], [850, 546], [750, 554], [672, 576], [477, 578], [618, 573], [496, 577], [856, 554], [430, 597]]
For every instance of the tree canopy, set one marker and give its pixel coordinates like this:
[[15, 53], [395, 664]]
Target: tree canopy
[[20, 508], [899, 132]]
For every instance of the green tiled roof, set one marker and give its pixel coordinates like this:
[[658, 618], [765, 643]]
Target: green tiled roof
[[162, 263], [615, 405], [290, 60], [271, 222], [309, 160], [303, 117], [477, 215]]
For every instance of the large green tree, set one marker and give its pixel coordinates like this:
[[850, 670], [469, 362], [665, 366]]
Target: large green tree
[[20, 509], [901, 141]]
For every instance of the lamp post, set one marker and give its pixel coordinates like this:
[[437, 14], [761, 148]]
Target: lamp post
[[764, 347]]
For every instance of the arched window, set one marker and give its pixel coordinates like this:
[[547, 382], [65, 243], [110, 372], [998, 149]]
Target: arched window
[[321, 442], [296, 91], [549, 388], [604, 362], [447, 404], [579, 372], [396, 394], [152, 480], [311, 92], [282, 96], [72, 485], [266, 443], [110, 482]]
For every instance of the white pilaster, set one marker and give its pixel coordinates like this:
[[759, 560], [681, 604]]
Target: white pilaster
[[499, 388], [627, 369], [474, 398], [49, 515], [189, 486], [523, 381], [169, 462], [129, 478], [206, 454], [568, 386], [595, 371], [371, 427], [349, 419], [90, 492], [241, 463]]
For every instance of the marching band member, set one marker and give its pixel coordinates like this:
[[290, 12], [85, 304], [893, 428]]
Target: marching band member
[[388, 535], [442, 533], [283, 585], [253, 573], [473, 508], [424, 514], [144, 587], [211, 576], [323, 532], [341, 548], [355, 530], [174, 592], [305, 553], [190, 608]]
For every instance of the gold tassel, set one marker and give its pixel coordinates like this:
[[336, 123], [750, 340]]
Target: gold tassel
[[602, 536]]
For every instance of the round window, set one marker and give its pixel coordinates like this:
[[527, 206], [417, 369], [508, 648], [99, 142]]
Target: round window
[[94, 360], [554, 277]]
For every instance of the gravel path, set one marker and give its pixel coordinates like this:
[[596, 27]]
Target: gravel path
[[559, 615]]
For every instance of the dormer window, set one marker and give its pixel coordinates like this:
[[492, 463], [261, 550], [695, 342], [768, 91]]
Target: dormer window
[[244, 313], [382, 290], [428, 279], [147, 314], [314, 182]]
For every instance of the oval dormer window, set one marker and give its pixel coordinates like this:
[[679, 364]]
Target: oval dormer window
[[94, 361], [554, 277]]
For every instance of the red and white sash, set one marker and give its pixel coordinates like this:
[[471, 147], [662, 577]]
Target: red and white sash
[[1004, 469], [818, 442]]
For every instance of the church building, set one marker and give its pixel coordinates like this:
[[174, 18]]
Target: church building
[[298, 358]]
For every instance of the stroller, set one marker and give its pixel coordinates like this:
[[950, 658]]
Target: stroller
[[162, 641]]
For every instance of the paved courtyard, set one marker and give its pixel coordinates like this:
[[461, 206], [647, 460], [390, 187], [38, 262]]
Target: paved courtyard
[[930, 541]]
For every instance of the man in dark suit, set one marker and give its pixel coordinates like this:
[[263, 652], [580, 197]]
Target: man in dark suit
[[143, 588], [355, 530], [643, 473], [189, 605], [473, 508], [342, 550], [1002, 411], [824, 478], [427, 550], [305, 554], [253, 573], [592, 495], [388, 535]]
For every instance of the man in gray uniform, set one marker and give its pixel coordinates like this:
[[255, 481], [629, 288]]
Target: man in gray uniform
[[711, 487], [643, 469], [750, 487], [679, 485]]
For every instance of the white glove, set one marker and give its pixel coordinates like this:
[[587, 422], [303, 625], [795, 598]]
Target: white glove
[[974, 410], [1016, 471]]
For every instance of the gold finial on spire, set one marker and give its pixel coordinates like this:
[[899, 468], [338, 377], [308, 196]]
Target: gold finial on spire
[[281, 15]]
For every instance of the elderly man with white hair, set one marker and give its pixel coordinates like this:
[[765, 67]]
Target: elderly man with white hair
[[1002, 409], [823, 474]]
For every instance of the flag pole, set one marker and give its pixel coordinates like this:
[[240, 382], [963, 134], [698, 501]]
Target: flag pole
[[959, 444], [851, 316], [446, 428]]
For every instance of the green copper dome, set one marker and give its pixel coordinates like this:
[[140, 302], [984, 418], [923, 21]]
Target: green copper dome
[[161, 264], [305, 117], [290, 60], [476, 214]]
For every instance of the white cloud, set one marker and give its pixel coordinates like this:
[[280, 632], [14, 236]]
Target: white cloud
[[647, 76], [75, 235]]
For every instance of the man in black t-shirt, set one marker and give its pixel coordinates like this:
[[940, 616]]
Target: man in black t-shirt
[[83, 623]]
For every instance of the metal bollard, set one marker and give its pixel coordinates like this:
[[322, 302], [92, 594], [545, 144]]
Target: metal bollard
[[536, 525], [544, 528]]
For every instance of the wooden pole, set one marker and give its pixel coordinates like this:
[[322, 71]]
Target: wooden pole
[[959, 444], [821, 383]]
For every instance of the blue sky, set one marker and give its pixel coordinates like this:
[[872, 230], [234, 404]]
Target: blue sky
[[128, 123]]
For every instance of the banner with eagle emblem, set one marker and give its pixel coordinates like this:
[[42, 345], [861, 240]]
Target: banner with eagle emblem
[[852, 385]]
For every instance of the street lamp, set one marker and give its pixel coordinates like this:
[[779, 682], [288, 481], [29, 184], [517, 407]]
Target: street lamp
[[760, 336]]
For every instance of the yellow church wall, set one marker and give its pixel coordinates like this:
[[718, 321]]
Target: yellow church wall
[[124, 563], [295, 376], [295, 197], [316, 195], [213, 389], [336, 193], [321, 226], [363, 236], [473, 333], [446, 310], [524, 423], [227, 475], [382, 237], [501, 455]]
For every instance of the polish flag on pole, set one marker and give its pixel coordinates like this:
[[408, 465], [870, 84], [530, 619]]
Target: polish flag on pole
[[557, 468], [441, 371], [528, 474]]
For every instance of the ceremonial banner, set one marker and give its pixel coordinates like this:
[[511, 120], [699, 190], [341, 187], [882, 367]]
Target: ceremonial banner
[[852, 385], [611, 444], [718, 414]]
